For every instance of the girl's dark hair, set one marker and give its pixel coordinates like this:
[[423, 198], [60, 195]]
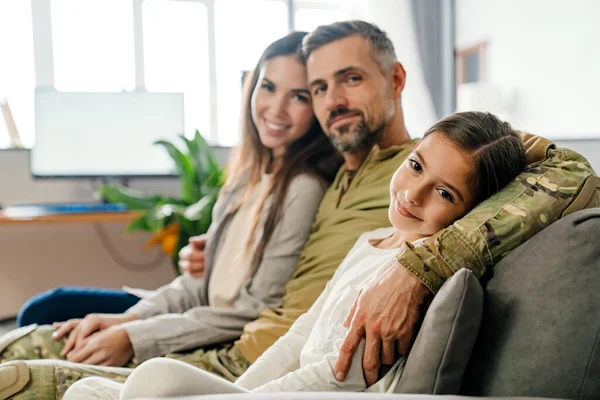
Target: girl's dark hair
[[312, 153], [498, 151]]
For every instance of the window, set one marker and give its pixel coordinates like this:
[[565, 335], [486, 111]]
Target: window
[[17, 77], [92, 43], [198, 47], [307, 19], [239, 42], [176, 56]]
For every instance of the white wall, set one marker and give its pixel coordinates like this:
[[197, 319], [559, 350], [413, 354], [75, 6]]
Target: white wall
[[588, 148], [546, 54], [395, 18]]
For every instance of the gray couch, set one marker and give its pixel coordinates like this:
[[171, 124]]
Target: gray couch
[[540, 331]]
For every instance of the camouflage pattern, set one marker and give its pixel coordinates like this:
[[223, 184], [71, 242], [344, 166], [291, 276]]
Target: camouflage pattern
[[226, 361], [535, 199], [49, 379], [37, 345], [51, 375]]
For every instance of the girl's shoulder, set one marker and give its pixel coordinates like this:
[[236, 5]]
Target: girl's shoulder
[[363, 239], [378, 233]]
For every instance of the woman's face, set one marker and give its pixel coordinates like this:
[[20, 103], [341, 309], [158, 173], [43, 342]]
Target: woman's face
[[431, 189], [281, 103]]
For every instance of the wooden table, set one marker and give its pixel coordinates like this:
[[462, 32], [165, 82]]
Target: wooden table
[[45, 251]]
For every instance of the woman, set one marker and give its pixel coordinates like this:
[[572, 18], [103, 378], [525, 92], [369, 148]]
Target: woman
[[461, 161], [261, 221]]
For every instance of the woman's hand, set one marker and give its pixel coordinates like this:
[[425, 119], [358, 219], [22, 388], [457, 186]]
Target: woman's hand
[[110, 347], [63, 328], [80, 329], [387, 311], [191, 257]]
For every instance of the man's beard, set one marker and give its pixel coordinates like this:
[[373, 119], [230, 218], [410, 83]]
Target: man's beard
[[350, 139]]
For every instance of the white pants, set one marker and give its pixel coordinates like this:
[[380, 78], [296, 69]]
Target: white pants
[[158, 377]]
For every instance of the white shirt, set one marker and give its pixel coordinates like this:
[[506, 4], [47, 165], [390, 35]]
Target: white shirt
[[305, 357]]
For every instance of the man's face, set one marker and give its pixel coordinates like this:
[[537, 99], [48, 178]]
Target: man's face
[[353, 100]]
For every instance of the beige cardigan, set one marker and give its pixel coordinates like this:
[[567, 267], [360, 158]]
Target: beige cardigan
[[179, 317]]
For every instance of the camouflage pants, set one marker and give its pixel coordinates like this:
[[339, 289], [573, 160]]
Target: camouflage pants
[[51, 375]]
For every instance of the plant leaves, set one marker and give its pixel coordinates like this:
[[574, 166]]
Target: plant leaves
[[210, 163], [133, 199], [204, 158], [201, 178], [138, 224], [197, 210], [189, 191], [196, 161]]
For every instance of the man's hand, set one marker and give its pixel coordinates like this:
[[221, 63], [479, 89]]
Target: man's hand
[[110, 347], [191, 257], [387, 310], [80, 329]]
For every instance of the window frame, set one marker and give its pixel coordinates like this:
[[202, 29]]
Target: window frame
[[43, 54]]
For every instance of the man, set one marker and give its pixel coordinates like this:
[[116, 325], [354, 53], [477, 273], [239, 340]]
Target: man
[[356, 84]]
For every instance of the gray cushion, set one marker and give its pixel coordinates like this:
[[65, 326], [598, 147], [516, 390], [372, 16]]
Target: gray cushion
[[438, 358], [541, 326]]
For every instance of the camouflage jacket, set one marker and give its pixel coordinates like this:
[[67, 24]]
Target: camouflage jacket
[[555, 183]]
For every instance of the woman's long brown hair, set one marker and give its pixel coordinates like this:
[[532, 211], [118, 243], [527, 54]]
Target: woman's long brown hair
[[312, 153]]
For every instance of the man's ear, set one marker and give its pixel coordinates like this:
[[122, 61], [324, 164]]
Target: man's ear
[[398, 79]]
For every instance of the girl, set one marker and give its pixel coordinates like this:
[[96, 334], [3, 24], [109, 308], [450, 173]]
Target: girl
[[261, 221], [462, 160]]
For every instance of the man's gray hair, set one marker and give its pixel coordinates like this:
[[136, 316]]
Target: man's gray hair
[[382, 47]]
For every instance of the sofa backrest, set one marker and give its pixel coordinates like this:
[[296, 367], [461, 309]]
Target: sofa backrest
[[540, 332]]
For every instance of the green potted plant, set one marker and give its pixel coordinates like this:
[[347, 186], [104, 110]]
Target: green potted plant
[[174, 220]]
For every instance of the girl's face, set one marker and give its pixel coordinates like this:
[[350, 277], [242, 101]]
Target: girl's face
[[281, 103], [431, 189]]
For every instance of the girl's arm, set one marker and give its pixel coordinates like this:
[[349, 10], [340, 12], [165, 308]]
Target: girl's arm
[[279, 369], [284, 355], [319, 377]]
